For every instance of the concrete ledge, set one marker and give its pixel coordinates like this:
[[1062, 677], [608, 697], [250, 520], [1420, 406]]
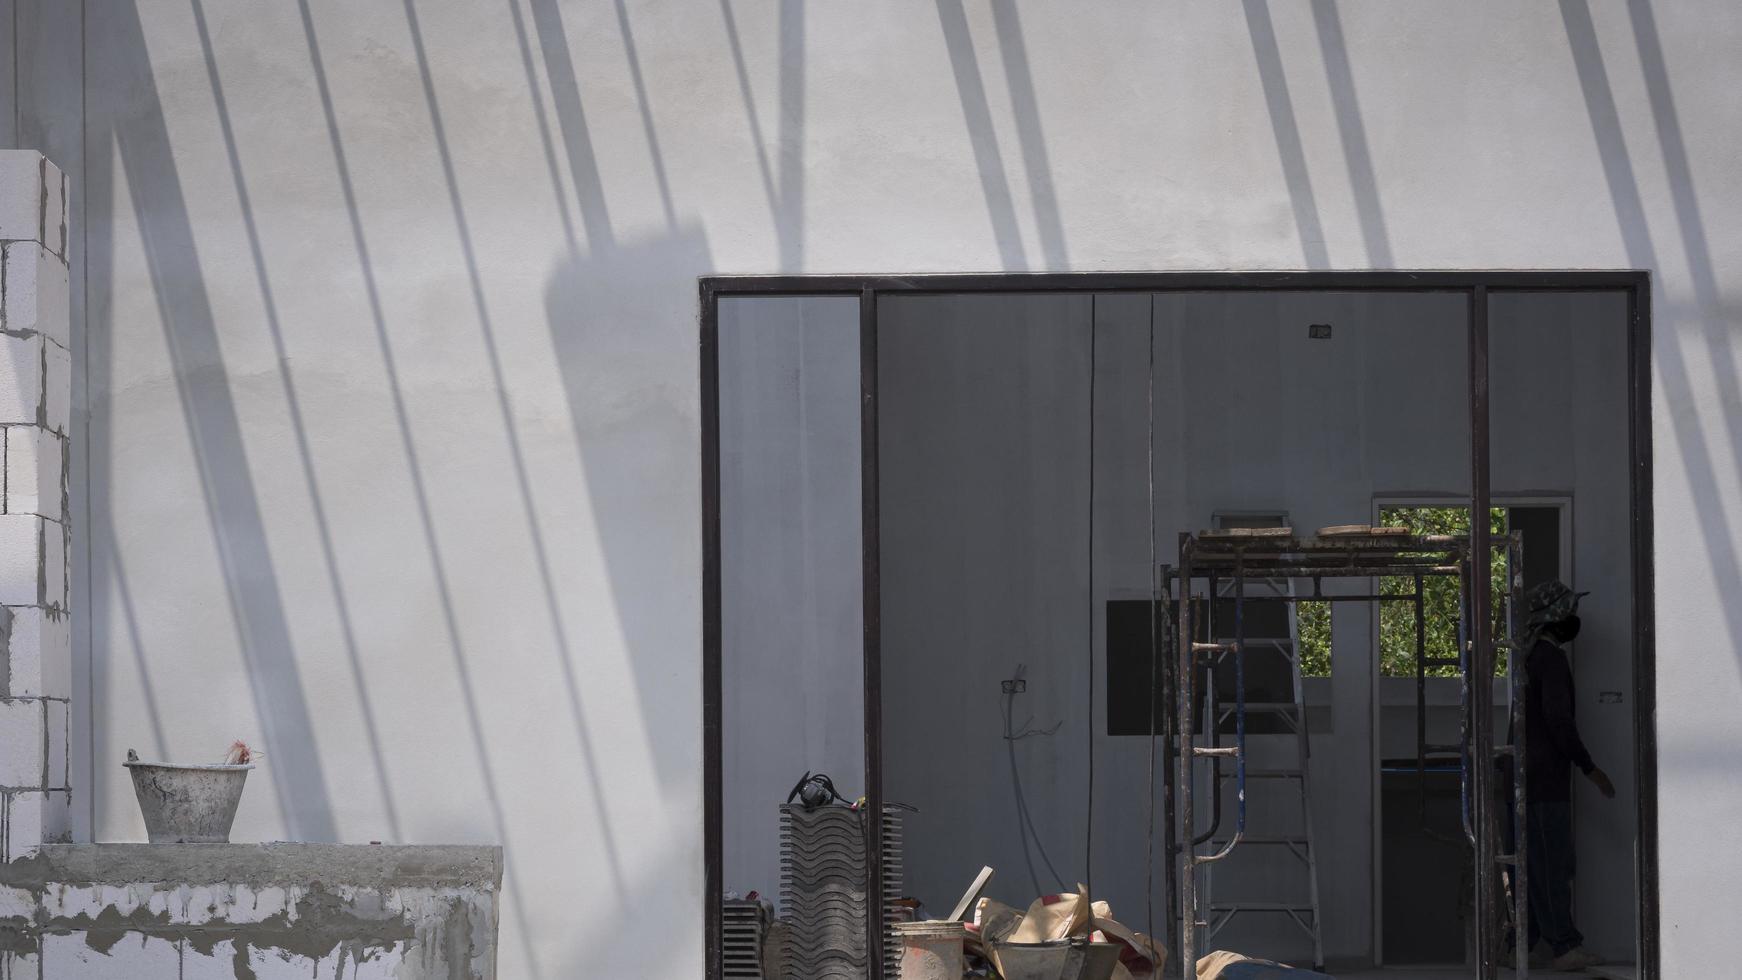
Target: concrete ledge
[[356, 865], [251, 911]]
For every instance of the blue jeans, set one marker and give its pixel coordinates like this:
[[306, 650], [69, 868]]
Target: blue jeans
[[1550, 861]]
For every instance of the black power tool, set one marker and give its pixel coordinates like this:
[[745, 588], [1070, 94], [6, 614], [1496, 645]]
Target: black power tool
[[815, 790]]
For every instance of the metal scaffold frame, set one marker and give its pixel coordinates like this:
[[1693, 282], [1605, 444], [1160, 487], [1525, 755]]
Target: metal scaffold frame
[[1235, 556]]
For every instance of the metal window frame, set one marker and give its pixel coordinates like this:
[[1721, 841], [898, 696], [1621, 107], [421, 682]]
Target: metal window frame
[[1476, 285]]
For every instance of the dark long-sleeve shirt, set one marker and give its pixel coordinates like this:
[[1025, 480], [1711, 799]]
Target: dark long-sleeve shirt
[[1552, 744]]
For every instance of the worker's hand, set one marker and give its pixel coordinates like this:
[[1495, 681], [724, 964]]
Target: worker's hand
[[1601, 779]]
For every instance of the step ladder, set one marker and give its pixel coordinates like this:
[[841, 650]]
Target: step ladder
[[1273, 634]]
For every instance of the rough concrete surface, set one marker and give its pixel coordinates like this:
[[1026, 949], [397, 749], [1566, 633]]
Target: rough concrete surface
[[252, 911]]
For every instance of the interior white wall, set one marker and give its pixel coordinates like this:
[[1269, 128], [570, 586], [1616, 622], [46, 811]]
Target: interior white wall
[[791, 599], [985, 469], [518, 286]]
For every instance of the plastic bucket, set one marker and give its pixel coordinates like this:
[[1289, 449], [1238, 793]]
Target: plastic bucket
[[187, 804], [931, 950]]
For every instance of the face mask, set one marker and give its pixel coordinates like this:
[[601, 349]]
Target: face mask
[[1567, 630]]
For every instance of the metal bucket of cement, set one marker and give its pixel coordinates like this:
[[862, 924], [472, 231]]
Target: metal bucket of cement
[[931, 950], [187, 804], [1066, 959]]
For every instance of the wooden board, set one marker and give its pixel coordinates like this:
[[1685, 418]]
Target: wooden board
[[1246, 532], [1362, 531]]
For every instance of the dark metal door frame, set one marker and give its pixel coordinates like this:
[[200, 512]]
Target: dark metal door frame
[[1477, 286]]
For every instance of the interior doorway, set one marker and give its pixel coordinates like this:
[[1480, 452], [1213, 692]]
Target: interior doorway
[[1422, 879], [1015, 476]]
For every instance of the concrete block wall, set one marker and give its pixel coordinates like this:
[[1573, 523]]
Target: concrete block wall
[[250, 912], [35, 529]]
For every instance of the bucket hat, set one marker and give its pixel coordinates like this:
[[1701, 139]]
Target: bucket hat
[[1551, 602]]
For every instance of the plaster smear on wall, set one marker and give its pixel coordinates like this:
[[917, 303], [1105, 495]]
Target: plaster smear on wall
[[118, 910]]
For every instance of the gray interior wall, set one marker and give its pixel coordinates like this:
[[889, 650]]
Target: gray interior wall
[[986, 557], [983, 424], [1558, 367], [8, 84], [791, 534]]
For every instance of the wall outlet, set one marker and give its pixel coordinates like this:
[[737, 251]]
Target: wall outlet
[[1013, 686]]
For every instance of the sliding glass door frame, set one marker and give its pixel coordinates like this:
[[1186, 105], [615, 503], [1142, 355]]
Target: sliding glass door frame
[[1477, 286]]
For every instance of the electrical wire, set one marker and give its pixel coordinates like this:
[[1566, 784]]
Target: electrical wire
[[1154, 600], [1024, 819], [1089, 822]]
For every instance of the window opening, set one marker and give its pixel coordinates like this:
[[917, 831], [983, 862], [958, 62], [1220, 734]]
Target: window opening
[[1439, 595]]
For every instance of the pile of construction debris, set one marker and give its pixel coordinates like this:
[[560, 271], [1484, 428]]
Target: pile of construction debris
[[1058, 937], [1064, 935]]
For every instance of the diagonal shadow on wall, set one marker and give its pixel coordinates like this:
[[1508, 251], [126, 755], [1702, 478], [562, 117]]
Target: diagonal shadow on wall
[[977, 117], [305, 455], [1279, 104], [378, 319], [618, 319], [1030, 135], [1358, 156], [785, 188], [1696, 247], [1631, 219], [142, 145]]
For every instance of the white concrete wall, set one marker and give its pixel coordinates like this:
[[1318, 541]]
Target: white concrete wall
[[392, 361], [986, 562], [792, 600]]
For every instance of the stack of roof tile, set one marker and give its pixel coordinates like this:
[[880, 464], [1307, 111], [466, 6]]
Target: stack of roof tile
[[743, 925], [822, 893]]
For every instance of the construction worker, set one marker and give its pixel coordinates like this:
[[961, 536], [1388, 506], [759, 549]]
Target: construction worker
[[1553, 748]]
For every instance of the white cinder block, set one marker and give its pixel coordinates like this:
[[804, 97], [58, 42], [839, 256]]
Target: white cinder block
[[54, 217], [21, 743], [20, 194], [34, 459], [21, 557], [263, 964], [277, 964], [20, 965], [23, 825], [39, 654], [57, 398], [57, 817], [21, 371], [57, 654], [54, 566], [36, 293], [20, 665], [381, 964], [136, 956], [57, 744], [16, 903], [219, 964]]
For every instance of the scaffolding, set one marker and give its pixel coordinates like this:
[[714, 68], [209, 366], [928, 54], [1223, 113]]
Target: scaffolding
[[1225, 561]]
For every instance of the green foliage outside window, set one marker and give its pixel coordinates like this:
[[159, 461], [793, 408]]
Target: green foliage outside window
[[1313, 630], [1440, 594], [1397, 617]]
